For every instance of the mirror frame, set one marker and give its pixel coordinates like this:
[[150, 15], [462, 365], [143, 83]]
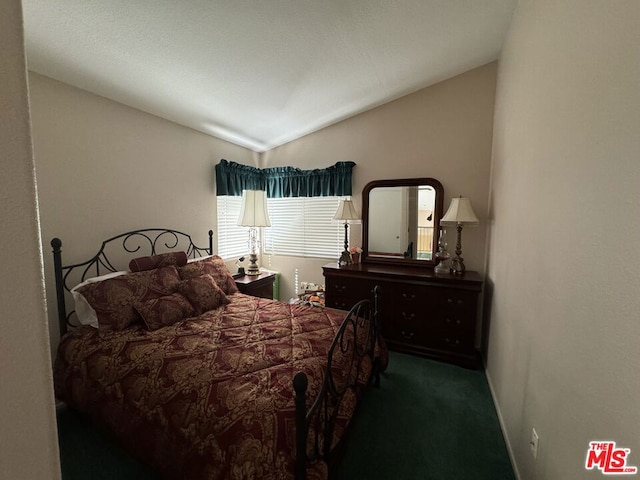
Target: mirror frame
[[401, 182]]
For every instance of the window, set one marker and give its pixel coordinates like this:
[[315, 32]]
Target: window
[[304, 226], [232, 238], [300, 226]]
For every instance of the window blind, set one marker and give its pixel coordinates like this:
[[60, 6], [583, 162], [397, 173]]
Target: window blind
[[304, 226], [232, 238], [300, 226]]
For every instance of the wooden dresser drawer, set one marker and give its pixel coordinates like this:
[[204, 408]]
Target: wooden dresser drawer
[[412, 303], [344, 293], [454, 341], [455, 311], [404, 333]]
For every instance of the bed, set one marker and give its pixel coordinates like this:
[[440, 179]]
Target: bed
[[199, 380]]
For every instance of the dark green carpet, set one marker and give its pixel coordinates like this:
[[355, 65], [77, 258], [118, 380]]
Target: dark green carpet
[[428, 420], [87, 453]]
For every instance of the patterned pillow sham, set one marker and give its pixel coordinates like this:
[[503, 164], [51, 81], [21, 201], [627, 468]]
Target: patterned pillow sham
[[214, 266], [87, 315], [204, 293], [164, 311], [113, 299], [176, 259]]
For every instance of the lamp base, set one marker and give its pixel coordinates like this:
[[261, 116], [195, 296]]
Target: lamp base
[[457, 265], [253, 269], [345, 258]]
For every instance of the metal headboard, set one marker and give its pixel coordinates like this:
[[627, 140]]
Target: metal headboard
[[140, 242]]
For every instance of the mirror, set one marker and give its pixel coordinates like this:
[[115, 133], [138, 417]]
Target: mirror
[[400, 221]]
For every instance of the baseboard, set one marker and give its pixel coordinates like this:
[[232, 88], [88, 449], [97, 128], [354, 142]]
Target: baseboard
[[514, 465]]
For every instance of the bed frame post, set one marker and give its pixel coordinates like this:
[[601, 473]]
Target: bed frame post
[[300, 383], [56, 243], [210, 242]]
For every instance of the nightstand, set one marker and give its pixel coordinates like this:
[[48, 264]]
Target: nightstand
[[257, 285]]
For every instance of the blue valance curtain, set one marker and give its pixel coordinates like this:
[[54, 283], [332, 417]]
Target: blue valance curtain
[[279, 182], [232, 178]]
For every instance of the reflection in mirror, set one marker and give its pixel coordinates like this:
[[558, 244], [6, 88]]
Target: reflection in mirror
[[400, 220]]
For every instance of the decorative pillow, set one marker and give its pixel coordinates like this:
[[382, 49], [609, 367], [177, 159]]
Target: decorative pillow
[[213, 266], [197, 259], [113, 299], [164, 311], [204, 293], [85, 313], [176, 259]]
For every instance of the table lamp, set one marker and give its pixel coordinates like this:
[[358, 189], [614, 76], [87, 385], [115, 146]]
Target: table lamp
[[347, 212], [460, 213], [253, 214]]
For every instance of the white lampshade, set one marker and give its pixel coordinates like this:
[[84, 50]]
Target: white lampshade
[[254, 209], [346, 211], [460, 212]]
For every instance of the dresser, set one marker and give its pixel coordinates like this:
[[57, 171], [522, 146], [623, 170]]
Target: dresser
[[421, 313]]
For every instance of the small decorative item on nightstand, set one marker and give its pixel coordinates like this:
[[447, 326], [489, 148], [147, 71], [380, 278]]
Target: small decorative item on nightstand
[[240, 272], [355, 254]]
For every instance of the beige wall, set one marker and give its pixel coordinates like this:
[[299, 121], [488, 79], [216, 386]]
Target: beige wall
[[563, 257], [443, 131], [28, 442], [104, 168]]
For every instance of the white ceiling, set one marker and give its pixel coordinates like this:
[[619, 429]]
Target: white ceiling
[[260, 73]]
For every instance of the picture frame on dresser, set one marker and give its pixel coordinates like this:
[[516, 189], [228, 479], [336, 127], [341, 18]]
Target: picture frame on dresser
[[421, 312]]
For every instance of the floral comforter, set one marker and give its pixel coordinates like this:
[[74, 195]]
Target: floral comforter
[[209, 397]]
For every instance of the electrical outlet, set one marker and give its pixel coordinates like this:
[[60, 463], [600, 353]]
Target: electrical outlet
[[534, 443]]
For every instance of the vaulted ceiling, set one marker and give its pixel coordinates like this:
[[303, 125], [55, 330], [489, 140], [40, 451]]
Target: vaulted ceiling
[[260, 73]]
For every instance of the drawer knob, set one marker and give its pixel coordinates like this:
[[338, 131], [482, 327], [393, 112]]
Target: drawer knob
[[452, 301], [452, 321], [408, 296], [408, 316], [408, 335], [452, 342]]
